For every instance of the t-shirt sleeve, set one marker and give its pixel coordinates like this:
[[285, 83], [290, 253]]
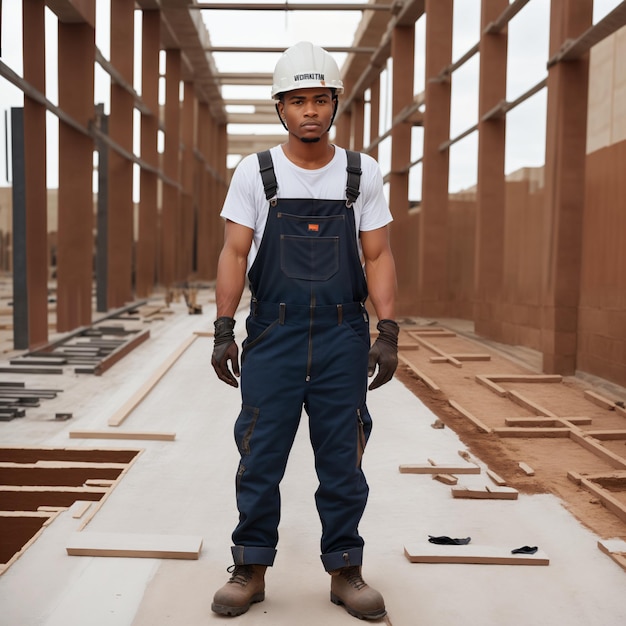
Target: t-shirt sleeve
[[375, 211], [240, 205]]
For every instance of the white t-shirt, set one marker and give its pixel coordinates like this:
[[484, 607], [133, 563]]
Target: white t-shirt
[[246, 204]]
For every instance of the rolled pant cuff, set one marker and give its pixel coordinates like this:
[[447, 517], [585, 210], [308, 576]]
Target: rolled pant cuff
[[345, 558], [253, 555]]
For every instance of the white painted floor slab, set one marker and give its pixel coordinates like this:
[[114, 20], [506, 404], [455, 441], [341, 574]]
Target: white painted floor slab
[[186, 487]]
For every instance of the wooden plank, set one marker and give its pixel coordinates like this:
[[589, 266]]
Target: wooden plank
[[525, 378], [502, 493], [79, 508], [532, 432], [461, 357], [117, 354], [599, 400], [134, 545], [545, 422], [496, 478], [529, 471], [15, 369], [446, 479], [472, 418], [124, 411], [614, 505], [483, 555], [122, 434], [425, 379], [593, 445], [485, 381], [448, 358], [526, 403], [606, 435], [427, 468]]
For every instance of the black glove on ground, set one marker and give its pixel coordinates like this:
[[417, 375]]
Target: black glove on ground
[[225, 349], [384, 353]]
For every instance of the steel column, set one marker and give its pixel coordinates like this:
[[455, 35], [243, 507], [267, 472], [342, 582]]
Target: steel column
[[491, 196], [146, 260], [171, 197], [36, 201], [121, 208], [403, 233], [75, 256], [432, 266], [565, 187]]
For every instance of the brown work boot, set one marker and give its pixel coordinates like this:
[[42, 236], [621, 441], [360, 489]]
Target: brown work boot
[[348, 588], [245, 587]]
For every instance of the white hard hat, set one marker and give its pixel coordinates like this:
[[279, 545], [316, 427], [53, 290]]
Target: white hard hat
[[305, 65]]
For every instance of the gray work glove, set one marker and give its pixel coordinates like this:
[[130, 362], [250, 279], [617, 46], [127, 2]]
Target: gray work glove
[[225, 349], [384, 353]]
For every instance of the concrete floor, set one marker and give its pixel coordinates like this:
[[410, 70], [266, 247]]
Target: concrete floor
[[186, 487]]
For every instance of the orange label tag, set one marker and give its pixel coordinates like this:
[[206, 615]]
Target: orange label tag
[[314, 227]]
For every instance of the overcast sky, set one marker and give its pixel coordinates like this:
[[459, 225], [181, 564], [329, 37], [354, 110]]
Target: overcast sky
[[528, 53]]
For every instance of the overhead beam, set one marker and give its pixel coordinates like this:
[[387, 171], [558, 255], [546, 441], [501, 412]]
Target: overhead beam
[[281, 49], [284, 6]]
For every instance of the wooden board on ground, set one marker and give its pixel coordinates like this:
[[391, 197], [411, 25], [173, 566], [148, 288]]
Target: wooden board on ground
[[427, 468], [501, 493], [121, 434], [124, 411], [484, 555], [134, 545]]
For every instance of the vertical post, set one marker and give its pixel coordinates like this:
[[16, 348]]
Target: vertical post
[[205, 204], [171, 196], [565, 187], [148, 210], [102, 221], [20, 290], [374, 114], [358, 121], [432, 267], [75, 259], [402, 235], [36, 200], [121, 208], [490, 218], [187, 169]]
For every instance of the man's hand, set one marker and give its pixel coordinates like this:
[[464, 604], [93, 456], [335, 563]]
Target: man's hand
[[384, 353], [225, 349]]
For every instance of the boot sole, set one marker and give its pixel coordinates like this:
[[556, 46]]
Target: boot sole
[[367, 616], [233, 611]]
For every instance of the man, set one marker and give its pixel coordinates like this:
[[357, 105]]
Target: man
[[301, 220]]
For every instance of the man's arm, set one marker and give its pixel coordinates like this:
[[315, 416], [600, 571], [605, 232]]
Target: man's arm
[[231, 276], [231, 268], [380, 271]]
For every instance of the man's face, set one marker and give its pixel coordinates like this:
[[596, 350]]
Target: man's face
[[308, 112]]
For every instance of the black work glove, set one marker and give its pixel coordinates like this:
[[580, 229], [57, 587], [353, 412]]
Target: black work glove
[[384, 353], [225, 349]]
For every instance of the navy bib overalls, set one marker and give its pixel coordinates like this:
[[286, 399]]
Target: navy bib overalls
[[307, 346]]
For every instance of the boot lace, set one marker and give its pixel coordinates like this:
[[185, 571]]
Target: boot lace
[[240, 574], [353, 577]]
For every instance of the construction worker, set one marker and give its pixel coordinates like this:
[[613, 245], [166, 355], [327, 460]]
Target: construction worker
[[307, 223]]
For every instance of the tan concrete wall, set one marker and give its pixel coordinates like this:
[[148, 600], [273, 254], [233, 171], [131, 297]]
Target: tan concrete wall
[[607, 92], [602, 313]]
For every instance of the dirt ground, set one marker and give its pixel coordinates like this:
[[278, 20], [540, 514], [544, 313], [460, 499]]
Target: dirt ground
[[436, 381]]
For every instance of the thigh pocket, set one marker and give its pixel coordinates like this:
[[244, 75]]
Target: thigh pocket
[[256, 332], [244, 428], [364, 429]]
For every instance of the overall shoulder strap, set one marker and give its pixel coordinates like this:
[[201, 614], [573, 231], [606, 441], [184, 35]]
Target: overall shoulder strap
[[266, 168], [354, 176]]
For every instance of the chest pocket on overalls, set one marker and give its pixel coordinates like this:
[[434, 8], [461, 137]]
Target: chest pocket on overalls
[[309, 245]]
